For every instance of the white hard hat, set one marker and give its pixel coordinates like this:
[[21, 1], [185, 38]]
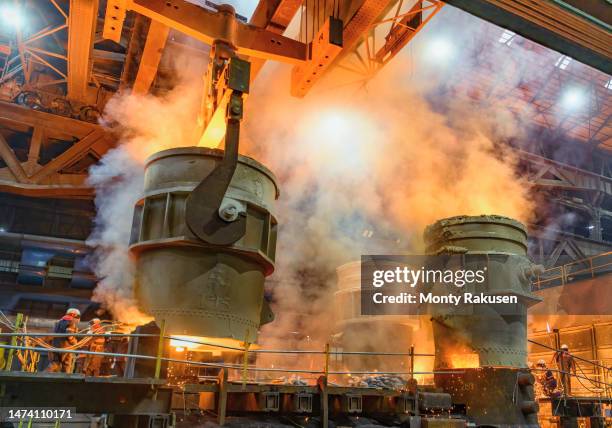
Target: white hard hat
[[564, 346], [95, 321], [541, 363], [74, 312]]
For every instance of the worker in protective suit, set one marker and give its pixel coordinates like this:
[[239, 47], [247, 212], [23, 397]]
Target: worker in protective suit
[[96, 344], [62, 361], [567, 366], [547, 384]]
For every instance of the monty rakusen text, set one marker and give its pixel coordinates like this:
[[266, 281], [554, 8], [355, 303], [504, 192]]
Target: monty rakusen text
[[420, 281]]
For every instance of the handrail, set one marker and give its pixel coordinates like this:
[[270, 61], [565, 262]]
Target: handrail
[[215, 365], [314, 352], [549, 277], [260, 369], [245, 368], [159, 358], [233, 348], [575, 356], [607, 370]]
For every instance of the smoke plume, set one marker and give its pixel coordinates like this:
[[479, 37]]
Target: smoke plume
[[146, 124], [362, 167]]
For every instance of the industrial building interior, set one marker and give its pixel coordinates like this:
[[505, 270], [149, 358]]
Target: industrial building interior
[[200, 180]]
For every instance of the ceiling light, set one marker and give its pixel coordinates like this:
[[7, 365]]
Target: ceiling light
[[12, 16], [439, 50], [574, 98]]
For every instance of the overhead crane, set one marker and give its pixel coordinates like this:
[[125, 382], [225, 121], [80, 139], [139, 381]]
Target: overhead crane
[[234, 46], [338, 31]]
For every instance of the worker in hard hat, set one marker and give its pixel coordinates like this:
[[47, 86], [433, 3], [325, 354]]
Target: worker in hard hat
[[567, 366], [96, 344], [547, 384], [62, 361]]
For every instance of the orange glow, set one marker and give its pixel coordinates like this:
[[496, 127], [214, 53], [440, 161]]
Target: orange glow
[[465, 361], [130, 312], [423, 365], [214, 132], [206, 344]]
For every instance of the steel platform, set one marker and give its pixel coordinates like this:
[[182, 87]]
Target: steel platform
[[112, 395]]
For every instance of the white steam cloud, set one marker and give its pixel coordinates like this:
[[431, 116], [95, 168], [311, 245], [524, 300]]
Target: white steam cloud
[[361, 169], [364, 168], [147, 124]]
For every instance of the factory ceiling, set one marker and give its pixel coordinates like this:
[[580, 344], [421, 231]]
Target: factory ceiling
[[579, 29], [62, 60]]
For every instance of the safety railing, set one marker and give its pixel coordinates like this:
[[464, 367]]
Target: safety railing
[[21, 341], [601, 385], [242, 368], [326, 352], [222, 379], [588, 267]]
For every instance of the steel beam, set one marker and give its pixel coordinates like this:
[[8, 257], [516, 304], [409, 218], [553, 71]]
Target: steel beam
[[81, 28], [113, 395], [35, 143], [325, 48], [566, 177], [274, 16], [576, 246], [35, 181], [55, 126], [135, 47], [304, 76], [207, 27], [403, 30], [554, 24], [96, 141], [151, 55], [8, 156], [45, 242], [113, 21], [568, 246], [74, 188], [102, 55], [362, 21]]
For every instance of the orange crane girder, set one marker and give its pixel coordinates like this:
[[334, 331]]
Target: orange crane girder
[[81, 28], [325, 48], [207, 27], [323, 53]]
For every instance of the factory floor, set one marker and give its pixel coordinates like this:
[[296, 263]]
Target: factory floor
[[277, 422]]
